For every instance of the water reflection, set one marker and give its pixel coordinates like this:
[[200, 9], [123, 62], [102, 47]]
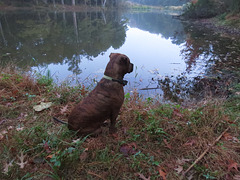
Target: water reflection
[[159, 23], [216, 55], [172, 58], [40, 38]]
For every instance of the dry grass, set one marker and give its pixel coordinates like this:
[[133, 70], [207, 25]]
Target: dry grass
[[154, 140]]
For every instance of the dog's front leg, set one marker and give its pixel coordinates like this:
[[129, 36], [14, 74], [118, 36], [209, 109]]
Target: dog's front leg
[[112, 128]]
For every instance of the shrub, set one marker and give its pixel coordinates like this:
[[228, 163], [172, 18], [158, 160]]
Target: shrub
[[201, 9]]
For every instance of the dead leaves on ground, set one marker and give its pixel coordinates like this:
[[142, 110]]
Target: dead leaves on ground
[[21, 158], [232, 166], [162, 173], [142, 177], [21, 162], [3, 133], [229, 137]]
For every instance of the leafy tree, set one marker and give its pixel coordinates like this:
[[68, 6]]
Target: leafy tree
[[38, 38]]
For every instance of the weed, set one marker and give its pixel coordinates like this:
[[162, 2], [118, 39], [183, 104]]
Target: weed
[[46, 80]]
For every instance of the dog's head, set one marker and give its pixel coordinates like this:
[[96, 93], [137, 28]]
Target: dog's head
[[118, 66]]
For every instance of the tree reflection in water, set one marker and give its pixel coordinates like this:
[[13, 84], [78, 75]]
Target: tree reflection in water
[[41, 38]]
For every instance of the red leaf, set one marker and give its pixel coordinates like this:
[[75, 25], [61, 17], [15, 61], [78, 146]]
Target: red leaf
[[232, 165], [46, 147], [162, 173]]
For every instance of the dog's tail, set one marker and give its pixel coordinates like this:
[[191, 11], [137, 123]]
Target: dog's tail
[[60, 121]]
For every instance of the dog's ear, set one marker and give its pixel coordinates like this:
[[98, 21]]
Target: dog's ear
[[111, 55]]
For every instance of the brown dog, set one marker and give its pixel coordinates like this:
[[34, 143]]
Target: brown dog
[[105, 101]]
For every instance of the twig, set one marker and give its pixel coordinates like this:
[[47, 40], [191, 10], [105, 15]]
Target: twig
[[203, 154], [91, 173]]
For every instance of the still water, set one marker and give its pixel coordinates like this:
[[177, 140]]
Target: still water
[[168, 54]]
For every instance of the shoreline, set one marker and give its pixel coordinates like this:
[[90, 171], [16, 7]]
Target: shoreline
[[214, 24]]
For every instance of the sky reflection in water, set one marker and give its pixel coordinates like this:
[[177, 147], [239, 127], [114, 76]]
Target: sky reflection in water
[[153, 56], [78, 44]]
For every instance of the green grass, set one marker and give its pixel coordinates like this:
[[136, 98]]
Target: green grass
[[152, 138]]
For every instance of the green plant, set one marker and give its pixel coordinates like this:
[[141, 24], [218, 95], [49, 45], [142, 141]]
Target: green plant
[[201, 9], [46, 80]]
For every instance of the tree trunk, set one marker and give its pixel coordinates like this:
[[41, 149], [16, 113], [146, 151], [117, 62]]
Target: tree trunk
[[62, 2], [104, 3], [54, 3], [73, 2], [75, 25], [3, 37]]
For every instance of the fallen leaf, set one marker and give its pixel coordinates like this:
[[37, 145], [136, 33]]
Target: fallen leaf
[[6, 167], [167, 144], [76, 141], [49, 156], [42, 106], [64, 109], [141, 176], [179, 169], [21, 158], [46, 147], [19, 129], [227, 136], [236, 177], [162, 173], [232, 165], [9, 128], [128, 149], [4, 132], [83, 156]]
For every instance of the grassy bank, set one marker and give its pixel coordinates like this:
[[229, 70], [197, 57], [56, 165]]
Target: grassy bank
[[223, 15], [154, 141]]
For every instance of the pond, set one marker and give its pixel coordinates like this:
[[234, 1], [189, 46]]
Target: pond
[[172, 58]]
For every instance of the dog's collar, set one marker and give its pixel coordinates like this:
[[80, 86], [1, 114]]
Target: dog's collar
[[123, 82]]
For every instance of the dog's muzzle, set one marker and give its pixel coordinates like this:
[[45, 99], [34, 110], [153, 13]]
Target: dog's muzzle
[[130, 69]]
